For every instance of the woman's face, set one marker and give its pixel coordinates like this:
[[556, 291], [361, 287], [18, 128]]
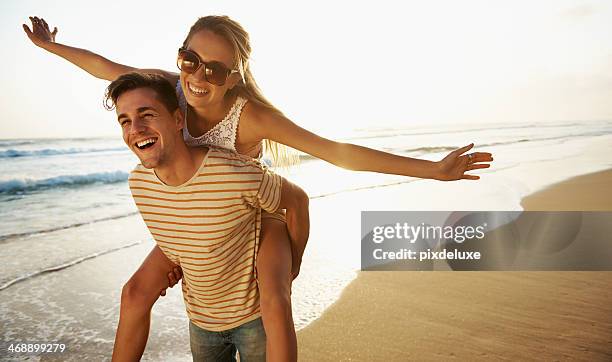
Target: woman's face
[[210, 47]]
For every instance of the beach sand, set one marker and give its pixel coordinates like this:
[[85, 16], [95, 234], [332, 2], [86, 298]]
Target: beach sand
[[399, 316], [592, 192]]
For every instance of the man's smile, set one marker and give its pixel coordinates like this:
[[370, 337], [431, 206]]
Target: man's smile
[[145, 143]]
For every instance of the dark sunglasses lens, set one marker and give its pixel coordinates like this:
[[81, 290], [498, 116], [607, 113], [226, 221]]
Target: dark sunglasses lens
[[188, 62], [216, 73]]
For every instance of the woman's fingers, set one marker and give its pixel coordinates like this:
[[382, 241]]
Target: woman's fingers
[[36, 23], [178, 273], [30, 33], [27, 29], [458, 163], [475, 167], [171, 280], [464, 149], [479, 157], [482, 156], [40, 31], [174, 276]]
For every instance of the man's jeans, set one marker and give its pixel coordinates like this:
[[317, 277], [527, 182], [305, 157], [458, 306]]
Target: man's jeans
[[248, 339]]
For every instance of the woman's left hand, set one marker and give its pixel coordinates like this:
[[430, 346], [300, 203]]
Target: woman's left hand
[[455, 165]]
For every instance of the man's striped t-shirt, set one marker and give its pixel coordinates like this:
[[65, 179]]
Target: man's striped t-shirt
[[210, 227]]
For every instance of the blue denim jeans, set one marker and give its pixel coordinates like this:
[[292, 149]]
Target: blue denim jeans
[[248, 339]]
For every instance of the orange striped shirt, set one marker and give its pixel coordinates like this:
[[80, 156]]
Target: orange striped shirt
[[210, 227]]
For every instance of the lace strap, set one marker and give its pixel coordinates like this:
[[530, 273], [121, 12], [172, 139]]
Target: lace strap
[[234, 118]]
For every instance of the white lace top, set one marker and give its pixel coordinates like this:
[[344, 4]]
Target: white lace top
[[223, 134]]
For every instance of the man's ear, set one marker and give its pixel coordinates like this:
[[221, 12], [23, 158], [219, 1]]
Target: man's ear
[[179, 119]]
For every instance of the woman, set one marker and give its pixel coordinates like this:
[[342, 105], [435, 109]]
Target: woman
[[224, 106]]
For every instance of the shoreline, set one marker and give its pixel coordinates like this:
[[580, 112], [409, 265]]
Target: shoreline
[[389, 316], [581, 193]]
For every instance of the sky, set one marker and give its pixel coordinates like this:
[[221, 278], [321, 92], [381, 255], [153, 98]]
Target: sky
[[330, 66]]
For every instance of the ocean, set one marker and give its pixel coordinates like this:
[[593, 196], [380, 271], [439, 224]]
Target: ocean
[[65, 202]]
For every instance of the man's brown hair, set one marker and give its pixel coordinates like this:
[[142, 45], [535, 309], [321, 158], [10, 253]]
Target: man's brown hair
[[129, 81]]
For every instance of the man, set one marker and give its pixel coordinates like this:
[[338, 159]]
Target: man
[[203, 208]]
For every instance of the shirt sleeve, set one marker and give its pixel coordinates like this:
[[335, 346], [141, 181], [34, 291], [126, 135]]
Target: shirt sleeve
[[268, 196]]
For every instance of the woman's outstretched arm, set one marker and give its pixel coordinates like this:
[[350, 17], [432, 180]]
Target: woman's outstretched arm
[[265, 124], [92, 63]]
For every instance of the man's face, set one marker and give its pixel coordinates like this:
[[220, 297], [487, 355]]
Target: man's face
[[149, 129]]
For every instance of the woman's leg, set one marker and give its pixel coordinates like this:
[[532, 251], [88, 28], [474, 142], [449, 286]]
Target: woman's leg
[[137, 298], [274, 278]]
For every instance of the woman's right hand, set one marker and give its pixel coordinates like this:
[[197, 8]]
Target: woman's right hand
[[173, 278], [40, 33]]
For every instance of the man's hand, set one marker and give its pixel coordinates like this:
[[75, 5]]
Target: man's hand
[[40, 33], [173, 278], [454, 165]]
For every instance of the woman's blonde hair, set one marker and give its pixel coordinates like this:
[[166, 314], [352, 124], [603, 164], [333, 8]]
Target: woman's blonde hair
[[235, 34]]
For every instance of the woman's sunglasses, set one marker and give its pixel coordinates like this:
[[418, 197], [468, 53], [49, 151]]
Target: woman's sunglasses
[[214, 72]]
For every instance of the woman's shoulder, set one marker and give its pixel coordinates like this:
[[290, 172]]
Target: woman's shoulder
[[254, 112], [254, 120], [259, 121]]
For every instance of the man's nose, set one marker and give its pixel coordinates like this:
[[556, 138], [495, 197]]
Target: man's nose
[[137, 126]]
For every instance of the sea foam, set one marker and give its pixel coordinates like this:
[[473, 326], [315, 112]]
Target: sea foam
[[21, 185]]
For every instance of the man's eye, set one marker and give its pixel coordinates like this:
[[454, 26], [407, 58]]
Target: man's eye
[[124, 123], [148, 115]]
